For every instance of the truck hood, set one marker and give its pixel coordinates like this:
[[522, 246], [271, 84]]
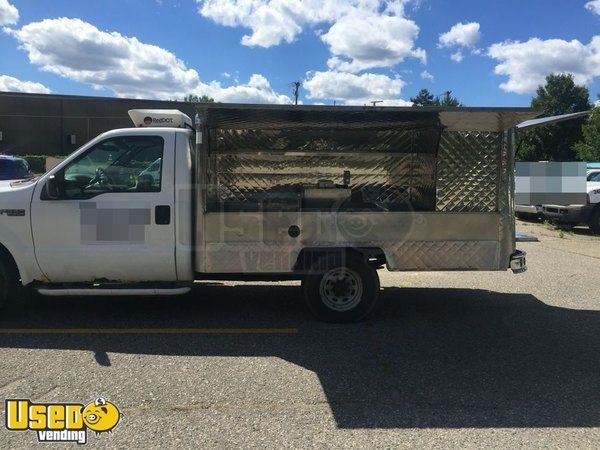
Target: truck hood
[[593, 185], [16, 194]]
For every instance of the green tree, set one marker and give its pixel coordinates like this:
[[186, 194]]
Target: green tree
[[191, 98], [589, 149], [426, 98], [448, 100], [423, 98], [560, 95]]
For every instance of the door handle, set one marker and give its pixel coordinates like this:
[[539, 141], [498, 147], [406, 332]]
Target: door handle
[[162, 214]]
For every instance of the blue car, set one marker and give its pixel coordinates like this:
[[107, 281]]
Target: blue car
[[14, 168]]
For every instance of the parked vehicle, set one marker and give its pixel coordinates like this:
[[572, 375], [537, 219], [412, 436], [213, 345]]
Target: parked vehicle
[[587, 214], [324, 195], [14, 168], [528, 211]]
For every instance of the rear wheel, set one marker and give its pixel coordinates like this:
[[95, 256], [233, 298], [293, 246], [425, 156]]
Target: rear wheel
[[341, 288], [595, 220]]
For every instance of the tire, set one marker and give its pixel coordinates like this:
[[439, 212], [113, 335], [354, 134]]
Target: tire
[[8, 282], [341, 288], [595, 220]]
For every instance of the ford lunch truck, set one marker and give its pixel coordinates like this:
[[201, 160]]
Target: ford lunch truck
[[260, 192]]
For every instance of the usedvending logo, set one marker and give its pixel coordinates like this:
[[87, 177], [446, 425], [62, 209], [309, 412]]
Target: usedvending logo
[[62, 422]]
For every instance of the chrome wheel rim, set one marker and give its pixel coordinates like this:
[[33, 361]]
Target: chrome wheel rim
[[341, 289]]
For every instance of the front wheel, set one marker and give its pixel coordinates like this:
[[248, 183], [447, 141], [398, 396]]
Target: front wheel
[[341, 288], [8, 283]]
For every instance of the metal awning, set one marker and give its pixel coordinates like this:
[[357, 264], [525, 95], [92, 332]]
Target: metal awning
[[550, 120], [245, 116]]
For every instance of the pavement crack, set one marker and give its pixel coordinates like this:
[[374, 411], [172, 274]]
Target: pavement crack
[[571, 252], [11, 384]]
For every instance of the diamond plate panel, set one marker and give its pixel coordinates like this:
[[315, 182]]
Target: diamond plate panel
[[332, 140], [254, 257], [443, 255], [270, 118], [468, 171], [394, 181], [506, 175]]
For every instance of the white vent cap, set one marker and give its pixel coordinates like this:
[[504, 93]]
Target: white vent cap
[[171, 118]]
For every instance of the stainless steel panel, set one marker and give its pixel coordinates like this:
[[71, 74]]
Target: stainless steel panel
[[506, 201], [460, 196], [495, 120], [326, 117], [259, 242], [468, 171], [443, 255], [393, 181], [328, 140]]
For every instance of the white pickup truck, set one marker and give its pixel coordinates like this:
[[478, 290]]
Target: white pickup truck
[[322, 195], [588, 214]]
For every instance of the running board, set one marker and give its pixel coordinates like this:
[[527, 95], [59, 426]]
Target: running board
[[113, 292]]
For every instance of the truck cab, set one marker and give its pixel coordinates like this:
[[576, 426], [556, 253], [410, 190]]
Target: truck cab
[[107, 212]]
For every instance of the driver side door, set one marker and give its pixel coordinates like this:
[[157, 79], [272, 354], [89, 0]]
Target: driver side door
[[112, 219]]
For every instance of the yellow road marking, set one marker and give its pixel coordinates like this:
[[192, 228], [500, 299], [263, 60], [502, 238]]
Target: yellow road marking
[[149, 330]]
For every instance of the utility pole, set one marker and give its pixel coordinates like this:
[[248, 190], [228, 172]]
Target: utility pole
[[296, 85]]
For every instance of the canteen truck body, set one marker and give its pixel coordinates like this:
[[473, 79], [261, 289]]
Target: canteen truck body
[[326, 195]]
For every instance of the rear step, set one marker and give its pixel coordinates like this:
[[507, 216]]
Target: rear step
[[113, 291]]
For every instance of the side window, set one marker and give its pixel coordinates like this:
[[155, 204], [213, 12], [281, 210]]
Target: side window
[[121, 164]]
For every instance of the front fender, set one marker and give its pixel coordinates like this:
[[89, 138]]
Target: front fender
[[15, 228]]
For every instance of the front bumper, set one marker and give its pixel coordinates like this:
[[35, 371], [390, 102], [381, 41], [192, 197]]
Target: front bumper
[[518, 262], [575, 214], [528, 209]]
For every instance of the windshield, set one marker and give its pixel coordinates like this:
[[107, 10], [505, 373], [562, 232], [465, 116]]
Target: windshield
[[594, 176]]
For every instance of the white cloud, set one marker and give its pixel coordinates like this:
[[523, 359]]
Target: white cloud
[[528, 63], [354, 89], [79, 51], [461, 35], [593, 6], [427, 76], [360, 42], [363, 33], [9, 14], [457, 56], [257, 90], [12, 84], [274, 21]]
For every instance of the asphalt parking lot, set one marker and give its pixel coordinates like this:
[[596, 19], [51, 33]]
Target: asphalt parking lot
[[450, 359]]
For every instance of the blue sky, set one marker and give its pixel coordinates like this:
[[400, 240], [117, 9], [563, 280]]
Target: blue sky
[[377, 50]]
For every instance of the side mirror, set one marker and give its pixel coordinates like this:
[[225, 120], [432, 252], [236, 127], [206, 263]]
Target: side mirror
[[53, 187]]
